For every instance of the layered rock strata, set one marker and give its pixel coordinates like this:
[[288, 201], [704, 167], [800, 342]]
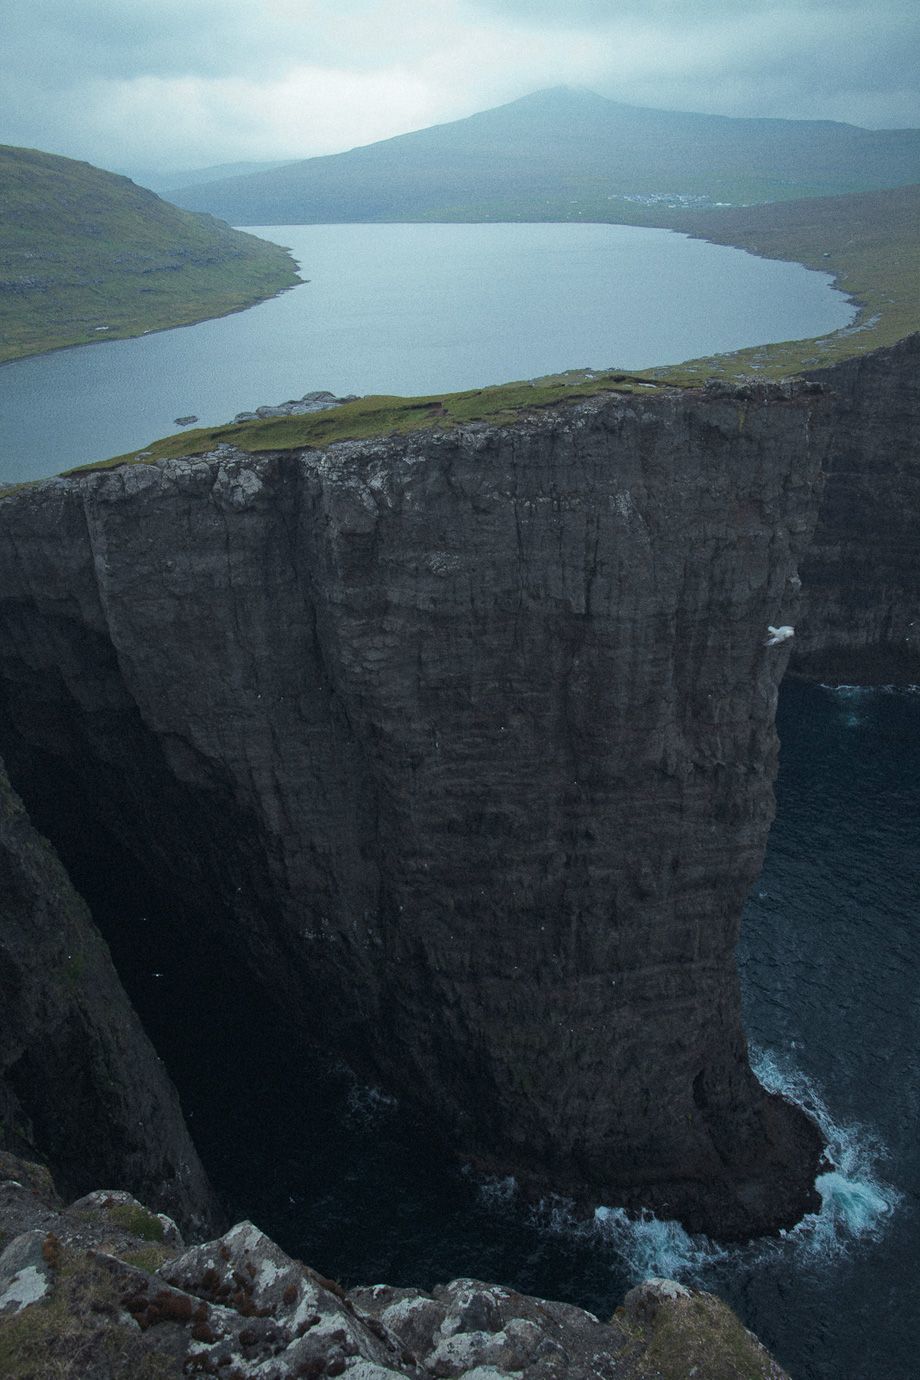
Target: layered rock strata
[[462, 744], [79, 1080]]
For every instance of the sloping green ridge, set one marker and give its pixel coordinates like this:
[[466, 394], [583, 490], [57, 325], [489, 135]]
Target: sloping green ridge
[[383, 416], [86, 255]]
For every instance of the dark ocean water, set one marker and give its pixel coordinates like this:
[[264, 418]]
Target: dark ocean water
[[830, 960]]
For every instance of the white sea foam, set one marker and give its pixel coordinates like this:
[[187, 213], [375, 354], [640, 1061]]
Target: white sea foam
[[855, 1201], [495, 1192], [651, 1247], [368, 1105], [845, 691]]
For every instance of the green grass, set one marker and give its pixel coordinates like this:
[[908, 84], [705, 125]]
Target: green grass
[[137, 1220], [77, 1331], [385, 416], [82, 250]]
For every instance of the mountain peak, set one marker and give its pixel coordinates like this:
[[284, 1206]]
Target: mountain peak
[[561, 98]]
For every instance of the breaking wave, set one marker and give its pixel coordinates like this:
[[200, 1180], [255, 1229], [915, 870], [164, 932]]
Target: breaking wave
[[855, 1203]]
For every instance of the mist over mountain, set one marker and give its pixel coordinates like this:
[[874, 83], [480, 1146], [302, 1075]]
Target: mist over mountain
[[165, 182], [564, 154]]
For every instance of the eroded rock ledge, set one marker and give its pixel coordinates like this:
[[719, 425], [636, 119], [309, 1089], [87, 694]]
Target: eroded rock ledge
[[106, 1288]]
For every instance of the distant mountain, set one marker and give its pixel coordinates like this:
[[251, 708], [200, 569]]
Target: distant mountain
[[567, 154], [164, 183], [86, 255]]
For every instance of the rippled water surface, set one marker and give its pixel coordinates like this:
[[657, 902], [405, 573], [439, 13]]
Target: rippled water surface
[[830, 957], [412, 309]]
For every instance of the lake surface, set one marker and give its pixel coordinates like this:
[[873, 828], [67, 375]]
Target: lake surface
[[412, 309], [829, 957]]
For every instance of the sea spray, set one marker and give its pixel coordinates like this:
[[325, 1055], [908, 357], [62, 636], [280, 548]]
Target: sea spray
[[855, 1204], [854, 1201], [650, 1247]]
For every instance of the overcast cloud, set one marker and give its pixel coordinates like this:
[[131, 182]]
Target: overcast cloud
[[184, 83]]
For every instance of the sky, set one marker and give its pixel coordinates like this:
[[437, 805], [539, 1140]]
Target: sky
[[175, 84]]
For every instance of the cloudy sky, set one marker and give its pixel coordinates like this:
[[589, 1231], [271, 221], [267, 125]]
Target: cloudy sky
[[174, 84]]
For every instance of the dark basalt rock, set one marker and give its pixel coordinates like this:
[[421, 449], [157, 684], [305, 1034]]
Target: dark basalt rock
[[861, 578]]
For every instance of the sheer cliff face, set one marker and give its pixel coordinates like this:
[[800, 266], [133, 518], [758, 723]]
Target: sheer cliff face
[[860, 620], [79, 1079], [467, 739]]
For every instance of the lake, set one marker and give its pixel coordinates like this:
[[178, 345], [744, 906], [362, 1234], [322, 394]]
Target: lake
[[412, 309]]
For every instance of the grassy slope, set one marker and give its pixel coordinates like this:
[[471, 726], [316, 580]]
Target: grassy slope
[[385, 416], [81, 248]]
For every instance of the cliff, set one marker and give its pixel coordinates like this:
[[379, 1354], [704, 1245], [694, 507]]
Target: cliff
[[461, 746], [79, 1081], [860, 620]]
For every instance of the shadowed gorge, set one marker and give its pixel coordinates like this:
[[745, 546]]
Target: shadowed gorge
[[458, 748]]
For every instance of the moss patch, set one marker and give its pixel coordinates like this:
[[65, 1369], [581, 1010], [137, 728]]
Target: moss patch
[[76, 1332], [149, 1258], [698, 1336], [136, 1220]]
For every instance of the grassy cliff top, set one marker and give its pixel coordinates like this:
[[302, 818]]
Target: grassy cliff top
[[385, 415], [86, 255]]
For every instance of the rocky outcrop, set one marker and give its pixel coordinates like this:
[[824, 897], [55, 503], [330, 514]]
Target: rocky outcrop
[[860, 620], [462, 745], [79, 1080], [106, 1288]]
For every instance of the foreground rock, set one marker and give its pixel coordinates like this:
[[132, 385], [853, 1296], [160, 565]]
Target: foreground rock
[[296, 407], [80, 1083], [98, 1290]]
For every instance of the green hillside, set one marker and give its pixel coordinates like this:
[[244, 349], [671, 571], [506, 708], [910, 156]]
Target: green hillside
[[569, 154], [86, 255]]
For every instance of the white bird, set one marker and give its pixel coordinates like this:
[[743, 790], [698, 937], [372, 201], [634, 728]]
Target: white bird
[[778, 635]]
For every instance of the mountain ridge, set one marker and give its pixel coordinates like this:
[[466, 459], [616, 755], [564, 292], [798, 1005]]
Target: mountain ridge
[[566, 153]]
